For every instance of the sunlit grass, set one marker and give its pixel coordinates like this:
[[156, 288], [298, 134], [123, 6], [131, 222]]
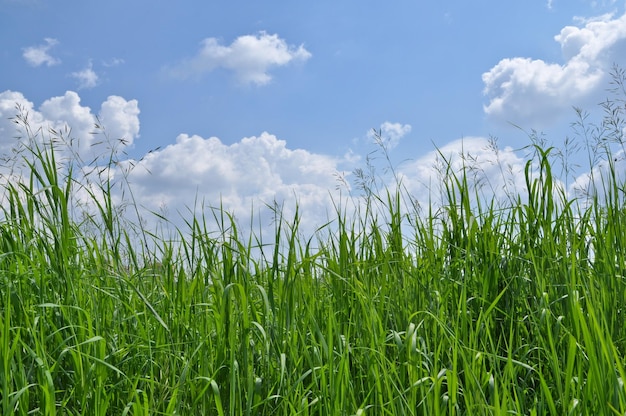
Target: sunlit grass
[[474, 308]]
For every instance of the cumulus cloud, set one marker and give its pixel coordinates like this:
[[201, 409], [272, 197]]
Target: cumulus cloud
[[71, 127], [254, 172], [39, 55], [250, 57], [65, 114], [247, 177], [593, 184], [525, 90], [491, 171], [87, 77]]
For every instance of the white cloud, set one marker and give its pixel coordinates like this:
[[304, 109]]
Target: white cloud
[[391, 133], [120, 118], [255, 171], [87, 77], [250, 57], [66, 115], [525, 90], [596, 182], [9, 102], [38, 55], [491, 171], [70, 126], [603, 3], [241, 177], [113, 62]]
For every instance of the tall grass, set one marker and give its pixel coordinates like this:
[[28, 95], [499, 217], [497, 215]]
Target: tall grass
[[474, 308]]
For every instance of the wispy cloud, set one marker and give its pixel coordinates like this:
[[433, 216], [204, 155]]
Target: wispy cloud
[[249, 57], [113, 62], [87, 77], [39, 55], [603, 3]]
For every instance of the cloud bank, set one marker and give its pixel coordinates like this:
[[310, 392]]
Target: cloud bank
[[249, 57], [250, 177]]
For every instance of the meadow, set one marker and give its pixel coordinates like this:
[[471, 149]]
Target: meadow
[[476, 307]]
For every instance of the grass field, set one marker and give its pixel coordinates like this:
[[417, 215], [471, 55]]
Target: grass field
[[474, 308]]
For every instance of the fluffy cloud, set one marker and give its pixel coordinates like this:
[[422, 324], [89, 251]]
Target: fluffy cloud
[[71, 127], [491, 171], [87, 77], [248, 178], [38, 55], [596, 182], [253, 173], [66, 115], [525, 90], [250, 57]]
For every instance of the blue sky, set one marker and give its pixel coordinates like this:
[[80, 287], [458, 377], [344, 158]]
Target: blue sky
[[251, 100]]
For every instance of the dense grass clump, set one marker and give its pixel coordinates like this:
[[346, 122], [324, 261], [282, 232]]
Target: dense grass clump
[[473, 308]]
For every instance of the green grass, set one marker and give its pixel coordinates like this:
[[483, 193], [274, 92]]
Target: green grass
[[473, 308]]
